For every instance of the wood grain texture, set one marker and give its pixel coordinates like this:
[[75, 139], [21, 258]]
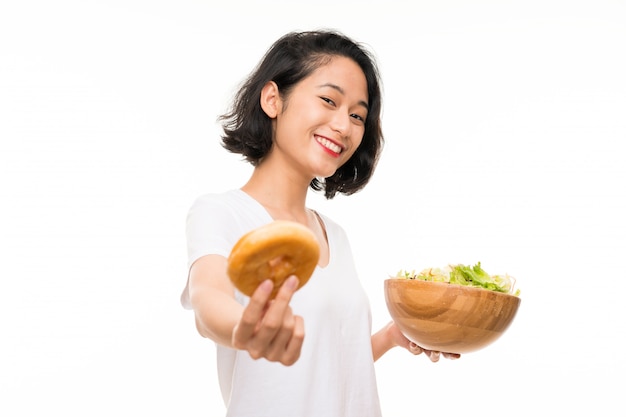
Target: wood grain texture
[[449, 317]]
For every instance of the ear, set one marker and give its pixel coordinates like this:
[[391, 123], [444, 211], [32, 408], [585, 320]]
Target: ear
[[270, 99]]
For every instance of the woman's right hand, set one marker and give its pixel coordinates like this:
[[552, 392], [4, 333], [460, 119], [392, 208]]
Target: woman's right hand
[[268, 328]]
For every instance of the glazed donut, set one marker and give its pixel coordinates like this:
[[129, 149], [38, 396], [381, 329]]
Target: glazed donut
[[276, 251]]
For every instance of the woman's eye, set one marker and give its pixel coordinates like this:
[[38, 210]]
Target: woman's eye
[[357, 117], [327, 100]]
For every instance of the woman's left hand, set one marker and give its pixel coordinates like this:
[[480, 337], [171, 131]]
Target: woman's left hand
[[400, 340]]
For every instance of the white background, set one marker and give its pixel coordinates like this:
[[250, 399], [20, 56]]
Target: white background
[[505, 124]]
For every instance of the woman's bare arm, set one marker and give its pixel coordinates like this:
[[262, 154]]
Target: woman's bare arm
[[390, 336], [213, 299]]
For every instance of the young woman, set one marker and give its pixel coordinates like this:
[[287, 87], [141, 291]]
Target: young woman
[[308, 117]]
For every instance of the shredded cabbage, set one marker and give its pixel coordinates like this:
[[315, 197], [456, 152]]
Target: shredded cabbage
[[474, 276]]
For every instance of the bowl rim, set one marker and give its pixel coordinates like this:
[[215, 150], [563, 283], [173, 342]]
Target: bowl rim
[[439, 283]]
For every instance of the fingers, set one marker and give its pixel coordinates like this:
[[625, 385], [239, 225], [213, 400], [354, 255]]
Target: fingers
[[269, 329], [415, 349], [433, 355], [287, 344], [277, 322], [451, 355], [252, 315]]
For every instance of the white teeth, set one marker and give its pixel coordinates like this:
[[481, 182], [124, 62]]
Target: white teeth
[[328, 144]]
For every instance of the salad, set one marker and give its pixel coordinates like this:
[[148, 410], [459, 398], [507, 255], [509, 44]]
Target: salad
[[474, 276]]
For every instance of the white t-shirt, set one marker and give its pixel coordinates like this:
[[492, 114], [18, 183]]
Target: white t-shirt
[[334, 376]]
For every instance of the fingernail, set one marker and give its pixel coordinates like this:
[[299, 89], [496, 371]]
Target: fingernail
[[292, 282], [266, 286]]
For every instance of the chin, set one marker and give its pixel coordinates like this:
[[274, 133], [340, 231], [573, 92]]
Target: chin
[[325, 169], [325, 174]]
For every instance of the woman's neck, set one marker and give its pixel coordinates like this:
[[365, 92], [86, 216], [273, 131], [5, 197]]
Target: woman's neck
[[282, 195]]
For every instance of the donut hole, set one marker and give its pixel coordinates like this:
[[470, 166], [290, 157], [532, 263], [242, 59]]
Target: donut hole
[[275, 262], [280, 267]]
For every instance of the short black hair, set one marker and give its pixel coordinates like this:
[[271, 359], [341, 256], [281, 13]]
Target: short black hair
[[293, 57]]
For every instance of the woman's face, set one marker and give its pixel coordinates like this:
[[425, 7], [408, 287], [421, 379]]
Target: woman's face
[[321, 123]]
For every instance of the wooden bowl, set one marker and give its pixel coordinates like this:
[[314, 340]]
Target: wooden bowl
[[449, 317]]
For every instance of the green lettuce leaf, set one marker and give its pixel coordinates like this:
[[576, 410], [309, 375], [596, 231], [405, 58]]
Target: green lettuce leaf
[[474, 276]]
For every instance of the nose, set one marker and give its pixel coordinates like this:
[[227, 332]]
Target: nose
[[341, 123]]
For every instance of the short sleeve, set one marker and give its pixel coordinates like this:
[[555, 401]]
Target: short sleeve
[[209, 228]]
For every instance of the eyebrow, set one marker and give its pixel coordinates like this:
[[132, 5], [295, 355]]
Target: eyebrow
[[341, 90]]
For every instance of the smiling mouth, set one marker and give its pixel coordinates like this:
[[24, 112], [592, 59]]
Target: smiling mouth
[[331, 146]]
